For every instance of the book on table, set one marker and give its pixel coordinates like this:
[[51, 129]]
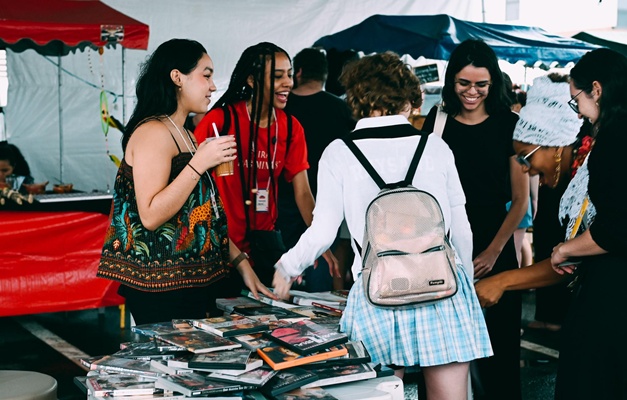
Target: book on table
[[227, 304], [195, 384], [265, 299], [226, 359], [257, 377], [162, 365], [306, 394], [253, 341], [341, 374], [143, 351], [287, 380], [199, 341], [125, 366], [120, 385], [160, 328], [229, 325], [305, 337], [253, 363], [279, 357], [336, 309], [356, 354], [280, 313], [319, 315], [307, 298]]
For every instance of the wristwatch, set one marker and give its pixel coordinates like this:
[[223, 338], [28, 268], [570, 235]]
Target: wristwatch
[[241, 257]]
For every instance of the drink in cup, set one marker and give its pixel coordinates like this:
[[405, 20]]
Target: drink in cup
[[226, 168]]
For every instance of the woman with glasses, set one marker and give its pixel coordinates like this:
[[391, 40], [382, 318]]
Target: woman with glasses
[[478, 130], [592, 349]]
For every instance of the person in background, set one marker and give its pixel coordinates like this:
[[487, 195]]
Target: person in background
[[168, 243], [269, 143], [324, 117], [442, 337], [478, 130], [552, 301], [12, 162], [592, 349]]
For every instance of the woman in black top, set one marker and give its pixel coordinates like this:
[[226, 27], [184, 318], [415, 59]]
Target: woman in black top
[[479, 131]]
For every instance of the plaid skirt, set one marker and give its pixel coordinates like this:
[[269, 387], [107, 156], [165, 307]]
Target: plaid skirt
[[451, 330]]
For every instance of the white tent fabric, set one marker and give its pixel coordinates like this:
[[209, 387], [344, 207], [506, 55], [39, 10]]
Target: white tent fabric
[[225, 28]]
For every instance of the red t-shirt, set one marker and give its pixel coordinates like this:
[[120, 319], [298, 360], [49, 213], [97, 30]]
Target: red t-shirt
[[230, 187]]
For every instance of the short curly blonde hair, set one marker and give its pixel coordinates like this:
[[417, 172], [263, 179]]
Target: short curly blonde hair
[[380, 82]]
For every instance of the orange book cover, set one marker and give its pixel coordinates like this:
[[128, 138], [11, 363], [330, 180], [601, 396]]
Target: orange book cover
[[279, 357]]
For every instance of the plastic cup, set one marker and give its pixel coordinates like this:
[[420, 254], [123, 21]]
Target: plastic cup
[[224, 169]]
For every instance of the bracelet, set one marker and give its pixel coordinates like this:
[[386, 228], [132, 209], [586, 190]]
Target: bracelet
[[237, 260], [194, 169]]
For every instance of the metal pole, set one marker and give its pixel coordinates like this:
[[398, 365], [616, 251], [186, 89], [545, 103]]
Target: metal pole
[[60, 122], [123, 87]]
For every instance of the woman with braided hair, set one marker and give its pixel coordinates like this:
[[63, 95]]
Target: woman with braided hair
[[269, 143]]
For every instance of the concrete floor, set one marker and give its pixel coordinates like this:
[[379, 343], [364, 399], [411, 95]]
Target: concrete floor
[[36, 343]]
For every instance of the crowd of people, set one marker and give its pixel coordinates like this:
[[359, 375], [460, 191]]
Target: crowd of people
[[182, 234]]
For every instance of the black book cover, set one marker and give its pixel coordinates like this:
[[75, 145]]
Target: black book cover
[[287, 380], [357, 354], [306, 337]]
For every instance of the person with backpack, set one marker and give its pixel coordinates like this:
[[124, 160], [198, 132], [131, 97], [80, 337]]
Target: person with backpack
[[442, 336], [269, 143]]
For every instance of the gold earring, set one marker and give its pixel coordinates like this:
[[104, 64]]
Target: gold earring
[[558, 167]]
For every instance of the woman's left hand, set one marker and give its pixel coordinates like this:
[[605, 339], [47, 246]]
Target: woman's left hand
[[252, 282], [484, 262], [559, 261], [334, 264]]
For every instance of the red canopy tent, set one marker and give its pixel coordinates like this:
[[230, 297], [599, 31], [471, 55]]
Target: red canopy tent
[[55, 27]]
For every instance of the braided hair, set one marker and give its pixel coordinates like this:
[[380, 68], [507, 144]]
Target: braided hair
[[252, 63]]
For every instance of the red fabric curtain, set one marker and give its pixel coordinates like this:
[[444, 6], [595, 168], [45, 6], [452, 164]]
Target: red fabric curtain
[[48, 262]]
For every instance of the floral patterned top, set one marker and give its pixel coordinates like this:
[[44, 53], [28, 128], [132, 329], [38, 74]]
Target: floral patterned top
[[189, 250]]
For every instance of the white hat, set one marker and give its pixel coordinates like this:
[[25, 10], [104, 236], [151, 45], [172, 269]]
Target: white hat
[[547, 119]]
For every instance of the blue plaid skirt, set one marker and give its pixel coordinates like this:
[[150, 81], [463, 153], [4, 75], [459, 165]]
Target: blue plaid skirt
[[452, 330]]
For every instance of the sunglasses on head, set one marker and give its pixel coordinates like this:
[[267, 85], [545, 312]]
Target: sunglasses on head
[[524, 160]]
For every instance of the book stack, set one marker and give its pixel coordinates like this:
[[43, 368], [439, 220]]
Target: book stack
[[292, 352]]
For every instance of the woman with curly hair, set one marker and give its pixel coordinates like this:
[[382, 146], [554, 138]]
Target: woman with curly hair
[[443, 337]]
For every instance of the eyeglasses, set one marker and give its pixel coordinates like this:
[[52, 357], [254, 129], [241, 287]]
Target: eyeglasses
[[573, 102], [466, 85], [524, 160]]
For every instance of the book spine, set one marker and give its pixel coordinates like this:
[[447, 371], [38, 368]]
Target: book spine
[[327, 307]]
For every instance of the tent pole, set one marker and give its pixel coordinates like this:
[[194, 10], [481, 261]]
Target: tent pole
[[59, 69], [123, 87]]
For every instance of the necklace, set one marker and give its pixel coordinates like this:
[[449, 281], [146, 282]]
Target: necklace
[[192, 150]]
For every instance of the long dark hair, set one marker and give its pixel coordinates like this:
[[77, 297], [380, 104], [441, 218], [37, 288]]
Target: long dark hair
[[478, 54], [156, 92], [12, 154], [609, 68]]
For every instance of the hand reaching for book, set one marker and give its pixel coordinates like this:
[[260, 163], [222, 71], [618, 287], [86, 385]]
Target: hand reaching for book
[[252, 282], [281, 284]]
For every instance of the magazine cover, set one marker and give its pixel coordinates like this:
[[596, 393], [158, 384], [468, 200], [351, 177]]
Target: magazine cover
[[227, 304], [305, 337], [341, 374], [357, 354], [287, 380], [228, 359], [306, 394], [253, 341], [160, 328], [198, 341], [120, 385], [195, 384], [264, 309], [229, 325], [143, 351], [257, 377], [125, 365], [279, 357]]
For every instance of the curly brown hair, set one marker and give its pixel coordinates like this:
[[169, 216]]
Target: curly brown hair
[[380, 82]]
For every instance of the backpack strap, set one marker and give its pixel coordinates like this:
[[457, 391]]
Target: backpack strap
[[413, 165], [440, 121]]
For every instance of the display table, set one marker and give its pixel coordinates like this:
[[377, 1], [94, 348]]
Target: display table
[[48, 262]]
